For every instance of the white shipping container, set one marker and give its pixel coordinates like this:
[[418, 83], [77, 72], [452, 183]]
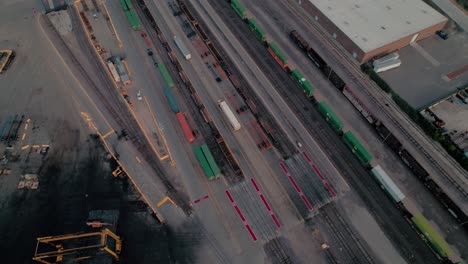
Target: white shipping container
[[387, 65], [113, 71], [388, 184], [183, 49], [390, 57], [230, 115]]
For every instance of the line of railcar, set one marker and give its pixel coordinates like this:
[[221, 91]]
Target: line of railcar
[[216, 144], [280, 57], [348, 137], [389, 139]]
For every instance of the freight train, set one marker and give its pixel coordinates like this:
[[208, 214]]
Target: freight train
[[348, 137]]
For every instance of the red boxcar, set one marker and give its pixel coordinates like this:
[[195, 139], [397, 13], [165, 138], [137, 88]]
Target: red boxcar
[[185, 127]]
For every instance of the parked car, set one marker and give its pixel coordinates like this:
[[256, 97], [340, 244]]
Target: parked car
[[442, 34]]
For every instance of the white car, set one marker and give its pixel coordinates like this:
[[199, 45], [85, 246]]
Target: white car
[[139, 97], [299, 144]]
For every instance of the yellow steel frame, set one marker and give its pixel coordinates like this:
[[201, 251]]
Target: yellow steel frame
[[8, 57], [66, 254]]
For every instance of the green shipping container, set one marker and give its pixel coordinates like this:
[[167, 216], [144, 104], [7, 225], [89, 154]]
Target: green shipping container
[[135, 21], [278, 52], [203, 162], [433, 238], [356, 147], [123, 4], [165, 74], [330, 116], [239, 8], [129, 4], [259, 32], [209, 157], [170, 98]]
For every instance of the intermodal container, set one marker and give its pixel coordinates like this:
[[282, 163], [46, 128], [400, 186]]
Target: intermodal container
[[435, 241], [132, 17], [185, 127], [134, 20], [165, 74], [122, 71], [356, 147], [124, 5], [204, 163], [239, 8], [170, 98], [113, 71], [182, 48], [387, 184], [209, 157], [330, 116], [259, 32], [278, 54], [229, 114]]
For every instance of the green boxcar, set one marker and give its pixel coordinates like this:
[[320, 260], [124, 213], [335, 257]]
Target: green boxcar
[[239, 8], [278, 52], [209, 157], [297, 76], [204, 163], [307, 88], [356, 147], [259, 32], [433, 238], [330, 116], [170, 98], [303, 83], [165, 74]]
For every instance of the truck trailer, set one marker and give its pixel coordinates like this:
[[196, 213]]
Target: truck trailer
[[229, 114], [183, 49], [385, 66], [113, 71]]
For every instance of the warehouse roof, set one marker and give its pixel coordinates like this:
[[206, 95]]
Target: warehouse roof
[[372, 24]]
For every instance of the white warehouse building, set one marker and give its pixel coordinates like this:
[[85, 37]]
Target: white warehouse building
[[367, 28]]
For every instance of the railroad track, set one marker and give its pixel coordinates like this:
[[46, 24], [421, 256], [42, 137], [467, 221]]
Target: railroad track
[[186, 90], [388, 217], [370, 88], [342, 231], [280, 140], [115, 105], [272, 240]]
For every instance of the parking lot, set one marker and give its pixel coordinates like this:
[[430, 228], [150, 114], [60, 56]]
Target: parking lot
[[424, 75]]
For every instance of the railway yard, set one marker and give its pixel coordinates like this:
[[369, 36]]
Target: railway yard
[[211, 131]]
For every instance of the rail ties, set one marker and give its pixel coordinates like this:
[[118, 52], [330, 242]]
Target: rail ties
[[344, 234]]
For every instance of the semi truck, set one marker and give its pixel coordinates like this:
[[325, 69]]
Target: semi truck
[[113, 71], [229, 114], [183, 49]]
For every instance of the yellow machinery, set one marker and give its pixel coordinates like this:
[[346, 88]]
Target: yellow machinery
[[6, 56], [75, 247]]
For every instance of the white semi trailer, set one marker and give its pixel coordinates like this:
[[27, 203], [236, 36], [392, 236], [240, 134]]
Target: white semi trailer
[[183, 49], [229, 114]]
